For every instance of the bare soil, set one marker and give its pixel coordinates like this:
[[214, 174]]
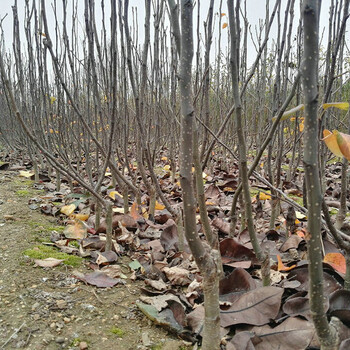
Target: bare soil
[[48, 308]]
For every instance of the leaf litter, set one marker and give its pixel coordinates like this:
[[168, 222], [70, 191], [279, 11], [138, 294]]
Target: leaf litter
[[252, 316]]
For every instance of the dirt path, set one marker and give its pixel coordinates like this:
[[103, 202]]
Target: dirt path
[[50, 309]]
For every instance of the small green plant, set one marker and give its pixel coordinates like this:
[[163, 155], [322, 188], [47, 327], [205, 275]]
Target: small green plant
[[117, 331], [74, 244], [76, 342], [156, 347], [44, 252], [22, 193]]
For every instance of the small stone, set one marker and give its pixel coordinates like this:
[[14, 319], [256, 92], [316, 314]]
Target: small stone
[[36, 317], [83, 345], [59, 340], [61, 304], [66, 320], [53, 325], [35, 306]]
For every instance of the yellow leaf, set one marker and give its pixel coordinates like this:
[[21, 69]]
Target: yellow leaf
[[290, 112], [331, 142], [159, 206], [209, 203], [76, 231], [301, 127], [52, 99], [204, 175], [343, 141], [68, 209], [340, 105], [296, 222], [164, 158], [166, 167], [224, 25], [25, 173], [118, 210], [82, 217], [263, 196], [113, 193], [51, 131]]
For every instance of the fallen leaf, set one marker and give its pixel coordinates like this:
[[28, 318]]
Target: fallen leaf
[[256, 307], [159, 206], [281, 266], [337, 261], [76, 231], [68, 209], [48, 262], [177, 275], [101, 280]]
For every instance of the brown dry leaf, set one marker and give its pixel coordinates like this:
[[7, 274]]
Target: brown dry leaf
[[177, 275], [113, 271], [301, 274], [105, 258], [293, 334], [49, 262], [292, 242], [221, 225], [76, 231], [101, 280], [238, 280], [231, 250], [256, 307], [160, 302], [339, 305], [157, 284]]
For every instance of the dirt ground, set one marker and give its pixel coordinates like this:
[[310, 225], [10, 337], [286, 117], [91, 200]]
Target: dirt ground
[[48, 308]]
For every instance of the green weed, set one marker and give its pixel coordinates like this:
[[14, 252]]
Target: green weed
[[117, 331], [44, 252]]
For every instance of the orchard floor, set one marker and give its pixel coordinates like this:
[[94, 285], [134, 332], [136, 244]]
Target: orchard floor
[[47, 308]]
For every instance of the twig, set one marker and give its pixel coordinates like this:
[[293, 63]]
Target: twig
[[93, 292], [13, 334]]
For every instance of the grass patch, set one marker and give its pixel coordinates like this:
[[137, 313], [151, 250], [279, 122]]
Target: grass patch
[[44, 252], [23, 193], [23, 182], [42, 227], [117, 331], [157, 347], [297, 199]]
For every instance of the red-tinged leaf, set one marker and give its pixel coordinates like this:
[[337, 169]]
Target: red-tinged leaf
[[134, 212], [343, 143], [224, 25], [331, 142], [337, 261], [282, 267]]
